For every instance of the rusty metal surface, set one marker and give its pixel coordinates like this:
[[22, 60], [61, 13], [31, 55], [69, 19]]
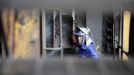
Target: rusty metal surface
[[27, 34]]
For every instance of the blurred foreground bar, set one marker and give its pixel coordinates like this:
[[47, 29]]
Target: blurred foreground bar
[[66, 66]]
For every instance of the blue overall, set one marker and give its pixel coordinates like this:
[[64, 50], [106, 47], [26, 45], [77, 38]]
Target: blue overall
[[86, 51]]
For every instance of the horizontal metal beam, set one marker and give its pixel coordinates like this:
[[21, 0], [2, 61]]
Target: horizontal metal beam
[[53, 48]]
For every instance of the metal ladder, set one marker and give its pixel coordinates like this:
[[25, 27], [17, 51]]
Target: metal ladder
[[44, 35]]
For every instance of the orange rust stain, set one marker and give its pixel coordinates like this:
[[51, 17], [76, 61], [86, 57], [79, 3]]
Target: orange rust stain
[[27, 35]]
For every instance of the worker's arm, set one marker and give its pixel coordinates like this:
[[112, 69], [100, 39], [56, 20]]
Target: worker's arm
[[92, 51]]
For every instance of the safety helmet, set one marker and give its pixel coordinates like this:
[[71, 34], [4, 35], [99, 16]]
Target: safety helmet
[[82, 31]]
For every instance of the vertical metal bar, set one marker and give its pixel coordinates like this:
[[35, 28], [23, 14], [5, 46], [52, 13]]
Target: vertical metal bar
[[126, 32], [61, 44], [120, 36], [54, 39], [73, 15], [44, 31], [114, 34], [73, 28], [5, 27], [11, 32], [5, 21]]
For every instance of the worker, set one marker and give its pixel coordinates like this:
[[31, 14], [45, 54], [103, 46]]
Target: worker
[[83, 41]]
